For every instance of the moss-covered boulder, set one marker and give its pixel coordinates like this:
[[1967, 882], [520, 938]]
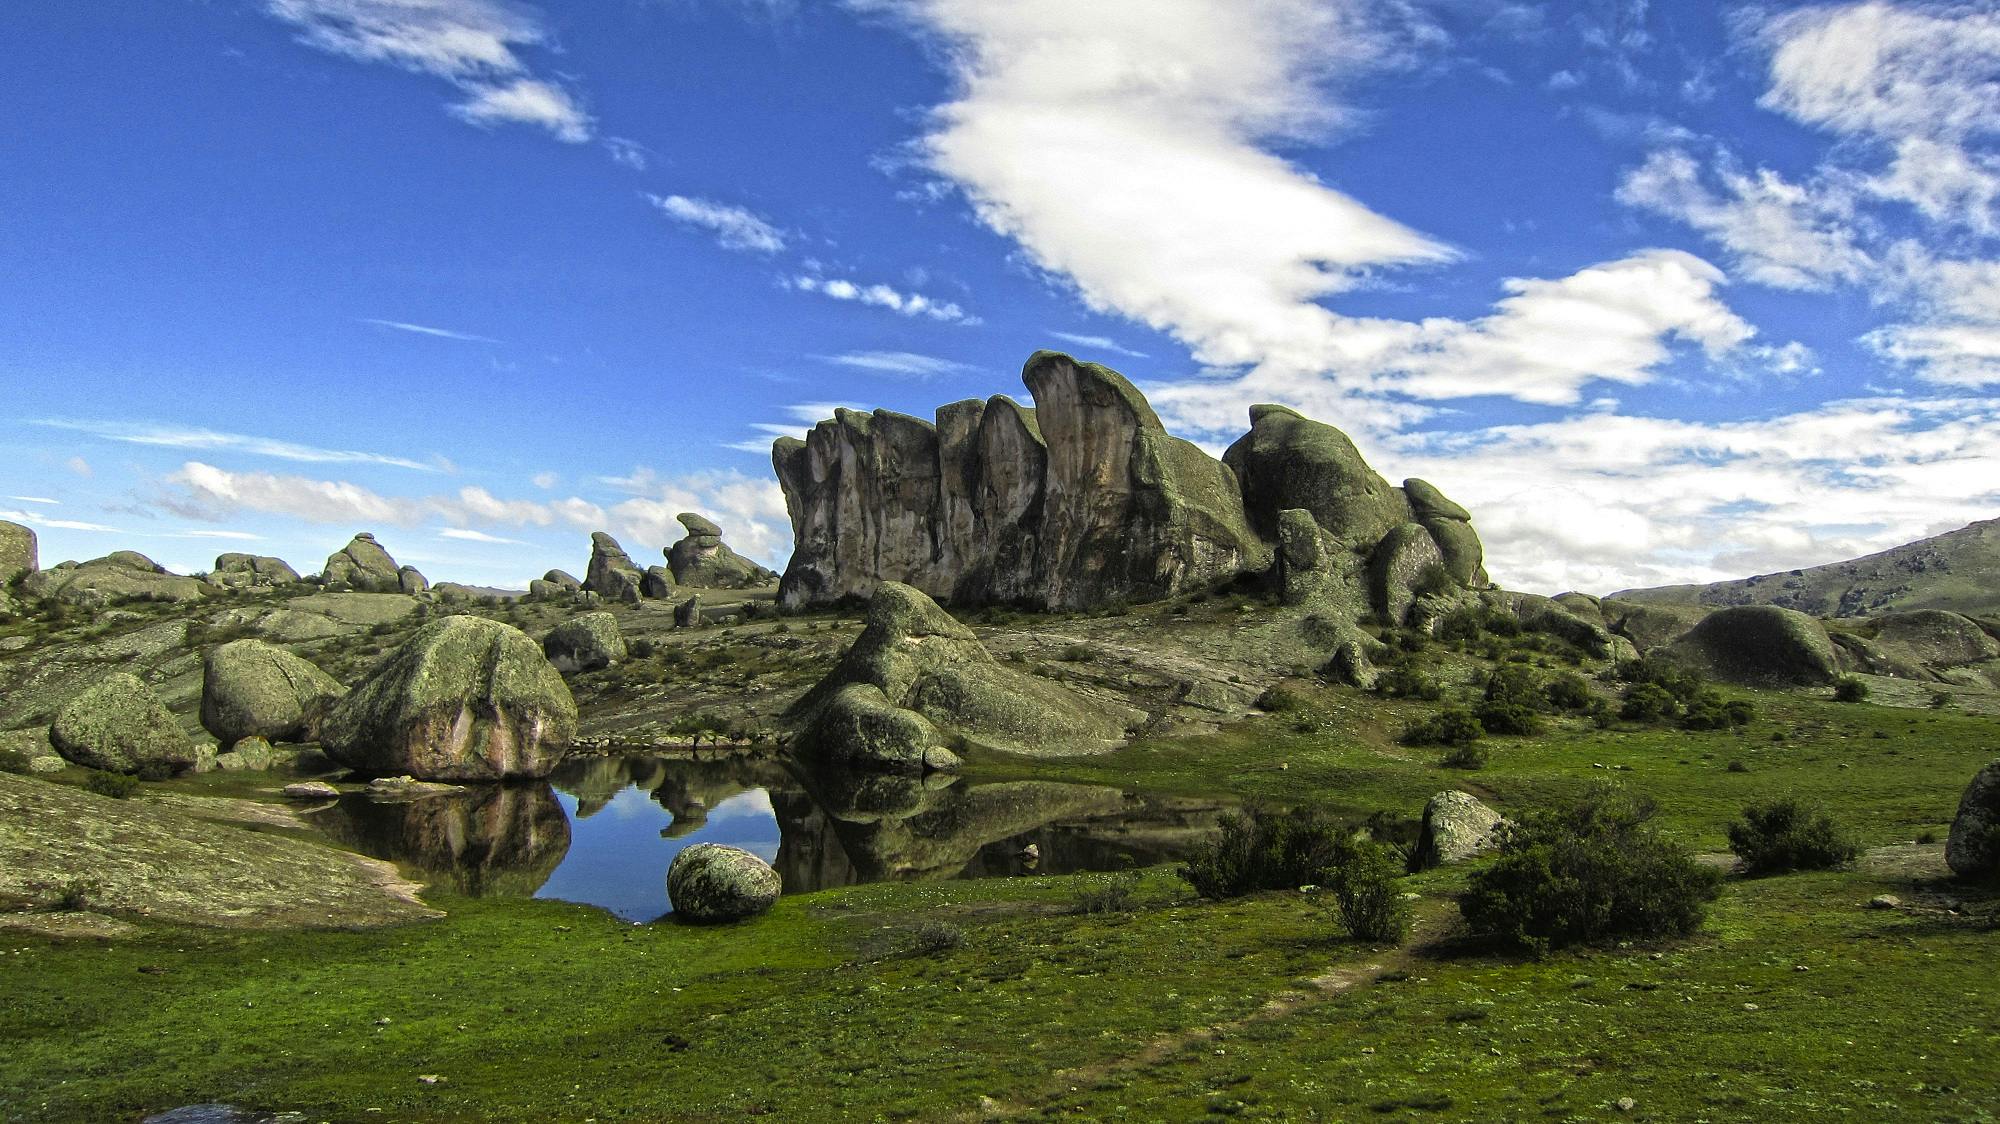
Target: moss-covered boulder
[[120, 576], [18, 557], [1760, 645], [1932, 638], [1650, 625], [1973, 848], [1451, 526], [1547, 615], [239, 571], [464, 699], [612, 574], [253, 689], [917, 659], [585, 643], [1400, 568], [119, 724], [709, 883], [703, 559], [363, 566], [1457, 826]]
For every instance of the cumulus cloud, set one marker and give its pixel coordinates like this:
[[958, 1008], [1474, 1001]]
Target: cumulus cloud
[[734, 228], [167, 436], [473, 44], [1779, 233], [881, 296], [1126, 147], [203, 491], [750, 510]]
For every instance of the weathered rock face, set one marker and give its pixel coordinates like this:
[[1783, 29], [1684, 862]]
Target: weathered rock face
[[687, 614], [585, 643], [251, 571], [119, 725], [703, 559], [1973, 848], [657, 584], [464, 699], [711, 883], [916, 678], [411, 581], [563, 580], [1760, 644], [18, 556], [1457, 827], [1084, 499], [363, 566], [500, 840], [253, 689], [121, 576], [612, 574]]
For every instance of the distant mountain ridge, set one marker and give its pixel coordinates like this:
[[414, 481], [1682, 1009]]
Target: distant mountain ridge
[[1958, 571]]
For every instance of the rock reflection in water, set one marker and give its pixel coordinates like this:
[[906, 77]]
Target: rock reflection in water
[[487, 841]]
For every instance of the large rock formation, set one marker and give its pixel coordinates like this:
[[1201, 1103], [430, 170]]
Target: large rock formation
[[362, 566], [464, 699], [251, 571], [916, 684], [1759, 645], [710, 883], [703, 559], [585, 643], [612, 574], [119, 725], [1457, 826], [250, 689], [123, 575], [1086, 500], [17, 552], [1973, 848]]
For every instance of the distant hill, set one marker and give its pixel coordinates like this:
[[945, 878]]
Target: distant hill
[[1958, 571]]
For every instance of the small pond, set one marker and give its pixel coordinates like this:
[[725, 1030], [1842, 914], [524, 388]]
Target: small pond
[[604, 830]]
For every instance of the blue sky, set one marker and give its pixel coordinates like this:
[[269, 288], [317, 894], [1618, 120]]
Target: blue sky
[[1667, 292]]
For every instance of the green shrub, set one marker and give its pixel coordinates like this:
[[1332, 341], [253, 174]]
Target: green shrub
[[1078, 653], [76, 894], [1451, 726], [1471, 755], [933, 937], [1568, 691], [13, 761], [1409, 681], [1648, 702], [1501, 716], [1113, 895], [1261, 849], [1710, 711], [1432, 580], [1366, 880], [1281, 698], [1940, 699], [640, 649], [117, 786], [1849, 689], [1586, 872], [1788, 833]]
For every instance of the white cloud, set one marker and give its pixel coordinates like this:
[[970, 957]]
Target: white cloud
[[1098, 343], [36, 519], [1601, 502], [1887, 70], [1126, 147], [473, 44], [203, 491], [545, 480], [167, 436], [734, 227], [1780, 234], [232, 536], [629, 153], [80, 467], [425, 330], [904, 364], [466, 534], [882, 296], [34, 499], [750, 511]]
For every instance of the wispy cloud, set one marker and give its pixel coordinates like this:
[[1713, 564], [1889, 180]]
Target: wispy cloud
[[1098, 343], [205, 492], [629, 153], [36, 519], [33, 499], [234, 536], [882, 296], [903, 364], [168, 436], [734, 228], [426, 330], [472, 44], [466, 534]]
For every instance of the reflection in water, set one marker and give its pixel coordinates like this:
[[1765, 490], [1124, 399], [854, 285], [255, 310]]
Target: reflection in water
[[487, 841], [614, 824]]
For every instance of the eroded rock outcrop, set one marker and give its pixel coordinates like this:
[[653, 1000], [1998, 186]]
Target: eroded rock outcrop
[[585, 643], [119, 724], [464, 699], [1973, 848], [612, 574], [18, 557], [1086, 500], [917, 683], [1457, 826], [251, 571], [362, 566], [122, 575], [1759, 645], [703, 559]]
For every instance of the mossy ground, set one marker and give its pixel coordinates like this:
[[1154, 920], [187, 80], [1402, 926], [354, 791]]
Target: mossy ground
[[837, 1006]]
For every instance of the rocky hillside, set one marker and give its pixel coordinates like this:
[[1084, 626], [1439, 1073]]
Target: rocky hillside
[[1958, 571]]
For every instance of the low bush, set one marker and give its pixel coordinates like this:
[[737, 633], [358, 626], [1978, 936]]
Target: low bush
[[1470, 756], [1113, 895], [117, 786], [1788, 833], [1710, 711], [1940, 699], [1281, 698], [1501, 716], [640, 649], [1849, 689], [1078, 653], [1569, 691], [1261, 849], [1648, 702], [76, 895], [1588, 871], [13, 761], [933, 937], [1451, 726], [1409, 681], [1366, 881]]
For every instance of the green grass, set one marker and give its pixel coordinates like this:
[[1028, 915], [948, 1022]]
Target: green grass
[[823, 1009]]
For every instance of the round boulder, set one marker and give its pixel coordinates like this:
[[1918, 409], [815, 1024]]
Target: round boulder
[[250, 689], [1972, 850], [119, 725], [710, 883], [1760, 645], [1456, 827], [585, 643], [464, 699]]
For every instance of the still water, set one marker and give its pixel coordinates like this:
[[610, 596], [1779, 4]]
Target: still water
[[605, 829]]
